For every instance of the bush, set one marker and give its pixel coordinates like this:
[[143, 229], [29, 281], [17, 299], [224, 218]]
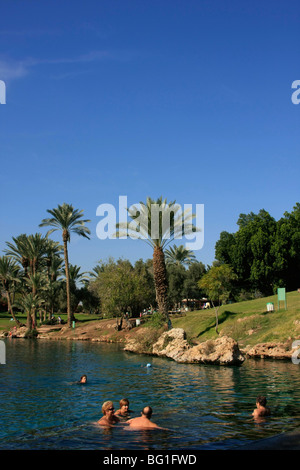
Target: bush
[[156, 320]]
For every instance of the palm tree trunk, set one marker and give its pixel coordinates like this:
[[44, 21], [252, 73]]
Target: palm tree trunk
[[160, 281], [70, 314], [29, 321], [10, 309]]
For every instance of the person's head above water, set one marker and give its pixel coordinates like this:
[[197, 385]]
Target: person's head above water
[[147, 411], [107, 407], [83, 379], [261, 400]]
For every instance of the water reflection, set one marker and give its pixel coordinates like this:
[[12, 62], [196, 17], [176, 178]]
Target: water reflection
[[201, 406]]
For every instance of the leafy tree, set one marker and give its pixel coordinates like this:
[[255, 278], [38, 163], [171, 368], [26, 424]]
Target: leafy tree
[[176, 279], [217, 284], [286, 249], [194, 273], [68, 220], [249, 251], [121, 288]]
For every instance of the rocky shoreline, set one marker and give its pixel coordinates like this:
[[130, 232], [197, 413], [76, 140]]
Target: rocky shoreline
[[172, 344]]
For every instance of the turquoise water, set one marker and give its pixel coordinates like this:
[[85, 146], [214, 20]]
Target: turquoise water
[[202, 407]]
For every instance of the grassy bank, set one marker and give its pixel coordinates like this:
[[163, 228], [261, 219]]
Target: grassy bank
[[6, 323], [247, 322]]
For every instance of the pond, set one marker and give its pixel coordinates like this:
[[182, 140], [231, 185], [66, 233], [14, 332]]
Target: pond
[[202, 406]]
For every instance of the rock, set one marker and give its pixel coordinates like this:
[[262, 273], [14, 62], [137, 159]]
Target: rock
[[270, 350], [173, 344], [222, 351]]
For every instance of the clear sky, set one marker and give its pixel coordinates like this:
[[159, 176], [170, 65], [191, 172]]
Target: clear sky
[[188, 99]]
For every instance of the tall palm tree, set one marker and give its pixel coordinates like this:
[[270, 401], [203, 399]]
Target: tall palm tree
[[157, 223], [30, 251], [179, 255], [67, 219], [9, 274], [20, 251]]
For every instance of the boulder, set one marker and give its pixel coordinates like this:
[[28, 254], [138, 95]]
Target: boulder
[[222, 351], [270, 350], [174, 345]]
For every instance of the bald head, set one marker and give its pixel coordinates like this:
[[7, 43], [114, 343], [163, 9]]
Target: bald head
[[147, 411]]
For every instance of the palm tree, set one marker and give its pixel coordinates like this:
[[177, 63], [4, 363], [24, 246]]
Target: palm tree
[[67, 219], [20, 251], [157, 223], [37, 284], [9, 274], [97, 270], [179, 255], [30, 251], [29, 304]]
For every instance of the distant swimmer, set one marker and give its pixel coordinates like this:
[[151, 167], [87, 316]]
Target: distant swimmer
[[261, 409], [83, 379], [108, 418], [124, 408], [144, 421]]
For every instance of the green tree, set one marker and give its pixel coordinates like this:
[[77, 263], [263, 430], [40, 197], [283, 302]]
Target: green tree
[[217, 284], [249, 251], [121, 289], [68, 220], [9, 275], [157, 222], [20, 251], [194, 273], [29, 303], [176, 279], [179, 255]]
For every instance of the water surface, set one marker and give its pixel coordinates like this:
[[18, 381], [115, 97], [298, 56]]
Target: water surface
[[202, 407]]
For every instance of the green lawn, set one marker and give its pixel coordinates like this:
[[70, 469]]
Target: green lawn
[[247, 322], [6, 323]]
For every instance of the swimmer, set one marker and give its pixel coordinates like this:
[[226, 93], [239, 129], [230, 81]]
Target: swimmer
[[83, 379], [124, 408], [108, 418], [143, 422], [261, 409]]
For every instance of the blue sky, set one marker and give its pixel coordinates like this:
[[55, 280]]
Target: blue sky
[[186, 99]]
